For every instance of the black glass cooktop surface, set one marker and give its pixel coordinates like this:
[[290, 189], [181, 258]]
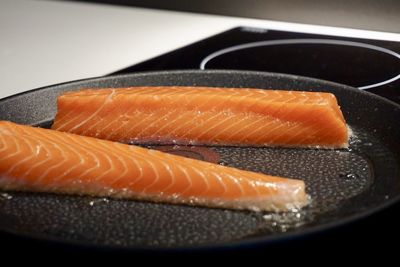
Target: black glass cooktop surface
[[370, 65]]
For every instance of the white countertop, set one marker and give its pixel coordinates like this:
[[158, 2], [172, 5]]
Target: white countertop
[[48, 42]]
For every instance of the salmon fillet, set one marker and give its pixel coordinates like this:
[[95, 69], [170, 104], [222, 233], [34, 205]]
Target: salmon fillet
[[204, 115], [43, 160]]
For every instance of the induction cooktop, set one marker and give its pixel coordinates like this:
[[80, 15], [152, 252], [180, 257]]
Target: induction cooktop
[[371, 65]]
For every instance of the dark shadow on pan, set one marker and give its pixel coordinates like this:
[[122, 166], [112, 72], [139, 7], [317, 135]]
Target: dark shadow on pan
[[344, 184]]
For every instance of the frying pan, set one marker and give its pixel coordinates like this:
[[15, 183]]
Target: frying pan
[[345, 185]]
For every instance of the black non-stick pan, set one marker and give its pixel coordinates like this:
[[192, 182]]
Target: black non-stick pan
[[344, 185]]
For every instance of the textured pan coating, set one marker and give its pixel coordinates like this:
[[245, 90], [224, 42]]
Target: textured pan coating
[[204, 115], [36, 159]]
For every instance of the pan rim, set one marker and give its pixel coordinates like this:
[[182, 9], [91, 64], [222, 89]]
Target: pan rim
[[197, 71]]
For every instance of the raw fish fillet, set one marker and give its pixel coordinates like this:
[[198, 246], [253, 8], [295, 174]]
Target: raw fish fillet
[[204, 115], [43, 160]]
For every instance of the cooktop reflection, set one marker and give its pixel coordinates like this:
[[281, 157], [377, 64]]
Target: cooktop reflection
[[367, 64]]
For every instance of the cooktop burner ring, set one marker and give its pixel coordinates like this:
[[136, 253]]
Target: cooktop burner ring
[[306, 41]]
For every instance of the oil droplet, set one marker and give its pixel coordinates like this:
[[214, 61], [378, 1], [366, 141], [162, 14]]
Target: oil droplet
[[354, 141], [98, 201], [284, 228], [349, 176], [267, 217], [5, 196]]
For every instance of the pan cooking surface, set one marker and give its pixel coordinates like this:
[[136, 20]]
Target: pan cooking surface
[[342, 184]]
